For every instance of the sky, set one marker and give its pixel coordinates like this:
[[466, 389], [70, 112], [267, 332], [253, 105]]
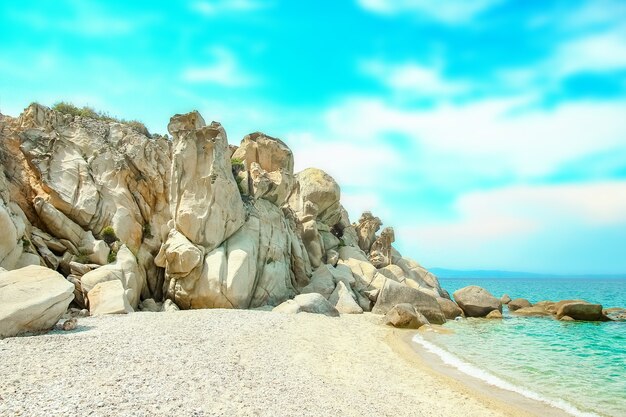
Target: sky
[[490, 134]]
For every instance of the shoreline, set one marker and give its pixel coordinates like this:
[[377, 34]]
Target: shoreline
[[234, 362], [509, 401]]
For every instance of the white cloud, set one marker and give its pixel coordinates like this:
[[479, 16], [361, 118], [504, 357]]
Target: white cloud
[[449, 11], [215, 7], [596, 53], [525, 227], [413, 79], [492, 136], [224, 70]]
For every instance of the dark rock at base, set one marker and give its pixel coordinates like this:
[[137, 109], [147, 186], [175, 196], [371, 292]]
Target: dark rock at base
[[405, 316], [450, 309], [476, 301], [393, 293], [519, 303]]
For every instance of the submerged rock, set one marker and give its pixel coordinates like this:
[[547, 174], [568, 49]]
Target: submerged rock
[[534, 311]]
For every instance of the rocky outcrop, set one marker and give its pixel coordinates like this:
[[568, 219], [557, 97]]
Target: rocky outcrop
[[476, 301], [189, 221], [505, 299], [32, 299]]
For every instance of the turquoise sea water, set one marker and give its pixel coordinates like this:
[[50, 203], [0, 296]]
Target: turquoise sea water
[[577, 366]]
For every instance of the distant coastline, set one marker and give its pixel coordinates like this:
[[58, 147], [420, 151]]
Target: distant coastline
[[487, 274]]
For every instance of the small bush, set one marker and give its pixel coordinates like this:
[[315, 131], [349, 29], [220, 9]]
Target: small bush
[[147, 231], [108, 235], [82, 257], [25, 243], [112, 257], [236, 162]]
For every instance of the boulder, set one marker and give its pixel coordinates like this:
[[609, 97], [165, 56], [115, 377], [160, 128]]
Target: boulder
[[566, 318], [70, 324], [108, 297], [308, 303], [32, 299], [494, 314], [405, 316], [519, 303], [316, 188], [322, 282], [581, 311], [449, 308], [476, 301], [124, 269], [344, 300], [393, 293], [268, 165], [505, 299], [150, 305]]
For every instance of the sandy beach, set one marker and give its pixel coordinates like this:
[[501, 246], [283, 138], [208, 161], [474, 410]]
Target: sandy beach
[[232, 362]]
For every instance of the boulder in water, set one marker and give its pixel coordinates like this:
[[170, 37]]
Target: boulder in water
[[476, 301]]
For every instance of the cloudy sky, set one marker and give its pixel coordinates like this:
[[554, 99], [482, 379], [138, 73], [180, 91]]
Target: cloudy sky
[[489, 133]]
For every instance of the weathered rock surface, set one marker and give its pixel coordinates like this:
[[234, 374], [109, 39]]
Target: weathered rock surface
[[405, 316], [393, 293], [615, 313], [205, 203], [519, 303], [494, 314], [505, 299], [108, 297], [192, 221], [32, 299], [476, 301], [344, 300]]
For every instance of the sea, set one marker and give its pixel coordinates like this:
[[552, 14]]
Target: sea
[[579, 367]]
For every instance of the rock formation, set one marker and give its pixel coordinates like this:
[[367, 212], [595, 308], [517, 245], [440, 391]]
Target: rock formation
[[146, 222]]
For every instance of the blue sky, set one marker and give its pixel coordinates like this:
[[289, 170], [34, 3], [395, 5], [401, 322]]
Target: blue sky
[[489, 133]]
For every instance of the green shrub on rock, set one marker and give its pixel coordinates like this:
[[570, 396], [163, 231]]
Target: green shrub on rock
[[108, 235]]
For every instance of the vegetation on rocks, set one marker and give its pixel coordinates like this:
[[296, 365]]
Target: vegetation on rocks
[[108, 235], [89, 112]]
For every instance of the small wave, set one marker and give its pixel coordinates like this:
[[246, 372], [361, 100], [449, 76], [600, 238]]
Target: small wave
[[469, 369]]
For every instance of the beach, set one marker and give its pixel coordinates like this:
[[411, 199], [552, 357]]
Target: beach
[[235, 362]]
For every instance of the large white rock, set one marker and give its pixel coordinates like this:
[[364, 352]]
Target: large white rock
[[268, 164], [108, 297], [32, 299], [204, 199], [124, 269], [252, 268]]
